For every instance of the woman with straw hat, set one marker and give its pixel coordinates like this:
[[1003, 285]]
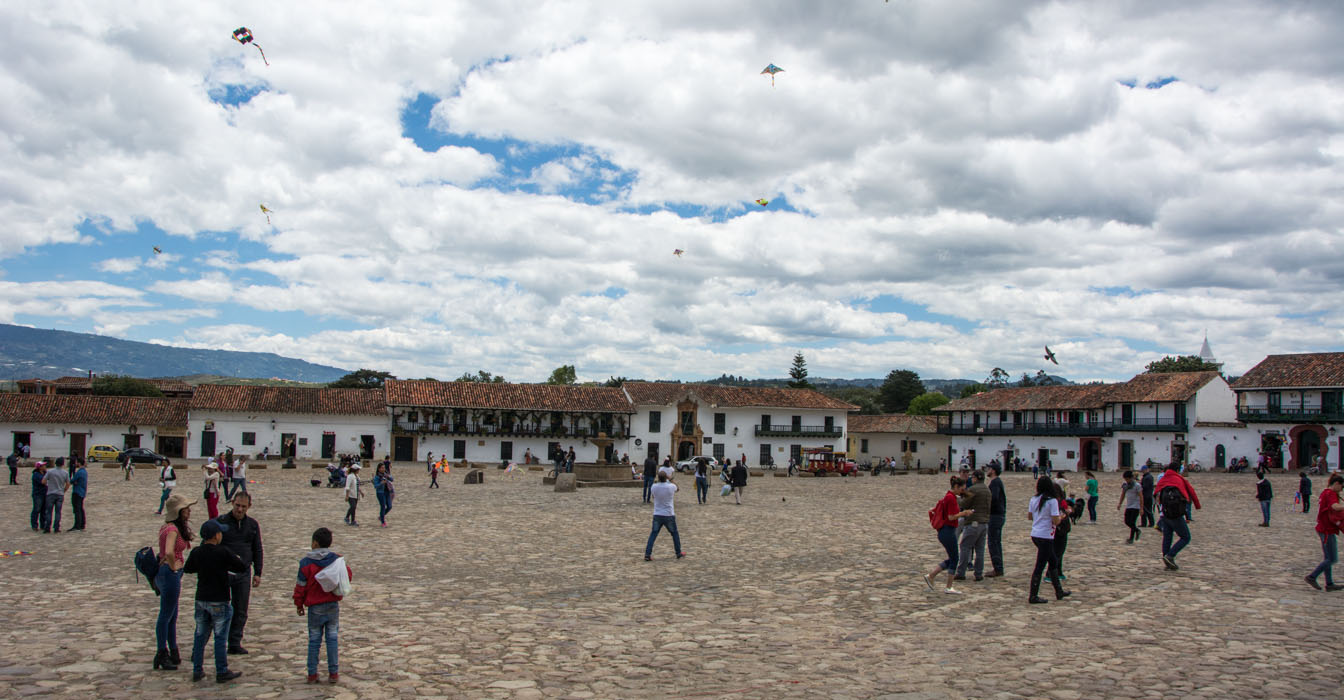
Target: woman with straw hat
[[174, 541]]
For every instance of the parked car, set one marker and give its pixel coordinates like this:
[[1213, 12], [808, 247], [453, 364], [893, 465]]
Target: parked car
[[103, 453], [141, 454], [688, 465]]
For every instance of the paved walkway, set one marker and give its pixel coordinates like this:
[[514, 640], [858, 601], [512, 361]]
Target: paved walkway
[[808, 589]]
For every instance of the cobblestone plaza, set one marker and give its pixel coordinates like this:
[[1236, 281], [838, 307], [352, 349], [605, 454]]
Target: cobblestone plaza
[[811, 588]]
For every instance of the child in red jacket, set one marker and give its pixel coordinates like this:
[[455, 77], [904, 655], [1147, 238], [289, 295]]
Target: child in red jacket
[[322, 600]]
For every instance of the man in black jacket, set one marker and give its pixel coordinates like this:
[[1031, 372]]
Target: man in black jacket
[[242, 536], [650, 471], [213, 564], [739, 481], [1147, 519], [998, 515]]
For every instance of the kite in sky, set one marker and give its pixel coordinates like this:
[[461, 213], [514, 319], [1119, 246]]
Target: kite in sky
[[678, 252], [772, 69], [267, 212], [1050, 355], [763, 202], [243, 35], [157, 250]]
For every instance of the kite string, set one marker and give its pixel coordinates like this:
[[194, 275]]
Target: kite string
[[263, 53]]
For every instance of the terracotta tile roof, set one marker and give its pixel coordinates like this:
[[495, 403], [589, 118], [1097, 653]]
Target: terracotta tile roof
[[1033, 398], [96, 410], [668, 393], [1161, 386], [892, 423], [523, 397], [284, 399], [75, 383], [1306, 370]]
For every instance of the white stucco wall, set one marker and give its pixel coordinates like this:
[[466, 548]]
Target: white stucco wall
[[744, 420], [230, 426], [487, 448], [1216, 402], [49, 440], [931, 447]]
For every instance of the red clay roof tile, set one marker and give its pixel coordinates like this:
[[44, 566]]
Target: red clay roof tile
[[668, 393], [1304, 370], [94, 410], [536, 397], [283, 399]]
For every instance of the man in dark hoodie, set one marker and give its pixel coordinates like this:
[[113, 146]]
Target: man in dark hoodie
[[212, 563], [1304, 491], [242, 535], [324, 607]]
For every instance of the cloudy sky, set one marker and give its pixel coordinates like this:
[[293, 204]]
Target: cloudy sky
[[500, 185]]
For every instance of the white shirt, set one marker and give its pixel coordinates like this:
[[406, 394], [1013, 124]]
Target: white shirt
[[352, 485], [666, 470], [240, 470], [1042, 523], [662, 493]]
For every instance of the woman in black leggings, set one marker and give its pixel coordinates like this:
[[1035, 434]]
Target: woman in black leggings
[[1043, 511]]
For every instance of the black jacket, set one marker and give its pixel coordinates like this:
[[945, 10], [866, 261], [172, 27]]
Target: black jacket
[[650, 468], [739, 475], [1263, 491], [1304, 486], [998, 500], [243, 539], [212, 563]]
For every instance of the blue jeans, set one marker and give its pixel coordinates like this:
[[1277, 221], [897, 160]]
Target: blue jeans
[[701, 489], [384, 505], [324, 621], [1264, 510], [947, 536], [212, 618], [648, 483], [1174, 526], [238, 485], [996, 541], [660, 522], [51, 511], [39, 505], [1330, 548], [170, 588], [1092, 507]]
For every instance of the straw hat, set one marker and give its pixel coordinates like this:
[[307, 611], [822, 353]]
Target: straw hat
[[175, 504]]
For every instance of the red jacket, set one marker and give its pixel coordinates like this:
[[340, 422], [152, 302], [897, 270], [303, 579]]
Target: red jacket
[[1173, 479], [307, 591]]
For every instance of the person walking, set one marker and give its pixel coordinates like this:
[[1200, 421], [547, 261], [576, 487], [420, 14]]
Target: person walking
[[1147, 518], [242, 536], [701, 482], [433, 475], [650, 472], [57, 482], [1264, 493], [1131, 498], [212, 563], [211, 492], [382, 488], [1304, 491], [352, 495], [323, 602], [1093, 496], [1329, 523], [998, 515], [943, 517], [167, 482], [12, 461], [1060, 543], [1174, 495], [174, 541], [79, 489], [739, 481], [1043, 511], [664, 516], [39, 494], [239, 476], [975, 529]]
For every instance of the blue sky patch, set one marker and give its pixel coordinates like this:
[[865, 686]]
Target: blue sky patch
[[231, 95], [886, 303]]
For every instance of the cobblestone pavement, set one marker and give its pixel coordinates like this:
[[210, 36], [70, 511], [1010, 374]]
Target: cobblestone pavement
[[809, 589]]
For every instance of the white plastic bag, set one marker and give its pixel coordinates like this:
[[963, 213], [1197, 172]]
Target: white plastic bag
[[335, 578]]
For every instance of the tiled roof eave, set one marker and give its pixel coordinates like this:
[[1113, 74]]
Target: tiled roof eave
[[509, 408]]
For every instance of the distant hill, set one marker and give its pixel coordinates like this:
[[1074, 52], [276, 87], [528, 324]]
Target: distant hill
[[27, 353]]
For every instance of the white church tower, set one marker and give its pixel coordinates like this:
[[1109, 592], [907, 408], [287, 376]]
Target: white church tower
[[1206, 353]]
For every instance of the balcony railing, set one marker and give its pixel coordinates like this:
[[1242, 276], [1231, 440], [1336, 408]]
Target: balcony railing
[[514, 430], [1094, 429], [788, 430], [1291, 415]]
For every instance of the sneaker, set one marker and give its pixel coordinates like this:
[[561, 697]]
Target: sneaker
[[1333, 587], [1137, 534], [959, 577], [1312, 582], [951, 591], [334, 677], [1037, 600], [196, 676], [238, 651], [227, 676], [312, 678], [979, 578], [648, 558], [680, 554], [994, 574], [1170, 562], [1063, 595], [928, 581]]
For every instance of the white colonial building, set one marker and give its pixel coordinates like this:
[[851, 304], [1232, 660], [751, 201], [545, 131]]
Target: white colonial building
[[1293, 402], [727, 422], [1162, 417], [287, 422], [490, 422], [53, 425], [896, 435]]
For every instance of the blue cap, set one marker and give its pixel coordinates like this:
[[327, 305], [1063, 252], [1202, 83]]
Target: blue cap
[[210, 528]]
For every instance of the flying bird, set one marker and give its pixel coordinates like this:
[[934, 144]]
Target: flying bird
[[772, 69], [243, 35], [1050, 355], [156, 250], [677, 252]]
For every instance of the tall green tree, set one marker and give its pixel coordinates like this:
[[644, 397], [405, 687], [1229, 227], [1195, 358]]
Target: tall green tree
[[1026, 380], [899, 389], [1043, 379], [564, 374], [798, 373], [1184, 363], [482, 377], [972, 390], [122, 385], [362, 379], [924, 404], [998, 378], [615, 382]]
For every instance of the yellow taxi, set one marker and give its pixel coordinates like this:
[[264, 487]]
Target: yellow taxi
[[103, 453]]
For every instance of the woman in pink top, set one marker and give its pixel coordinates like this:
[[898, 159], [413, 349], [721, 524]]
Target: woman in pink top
[[174, 541]]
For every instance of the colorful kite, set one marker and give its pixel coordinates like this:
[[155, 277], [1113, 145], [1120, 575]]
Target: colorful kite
[[15, 553], [677, 252], [1050, 355], [772, 69], [243, 35], [268, 213], [763, 202]]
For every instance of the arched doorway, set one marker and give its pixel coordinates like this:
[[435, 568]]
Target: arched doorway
[[1308, 441], [685, 450], [1089, 453], [1271, 446], [1220, 457]]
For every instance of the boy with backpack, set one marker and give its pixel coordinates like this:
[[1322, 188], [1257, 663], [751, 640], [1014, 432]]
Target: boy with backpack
[[1174, 496], [324, 579]]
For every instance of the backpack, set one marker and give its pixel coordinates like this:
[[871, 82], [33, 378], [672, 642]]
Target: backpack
[[147, 564], [1173, 502]]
